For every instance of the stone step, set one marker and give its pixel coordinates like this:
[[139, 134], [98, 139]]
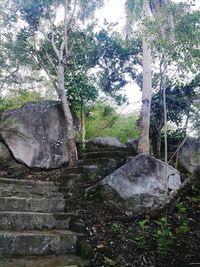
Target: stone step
[[99, 161], [34, 187], [37, 242], [32, 204], [34, 220], [108, 154], [44, 261], [96, 149], [16, 192], [84, 169]]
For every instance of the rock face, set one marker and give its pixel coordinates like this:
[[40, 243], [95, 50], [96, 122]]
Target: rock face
[[4, 153], [8, 163], [36, 134], [132, 144], [139, 184], [189, 157], [105, 142]]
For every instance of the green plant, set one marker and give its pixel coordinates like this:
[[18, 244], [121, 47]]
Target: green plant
[[163, 237], [196, 195], [117, 228], [141, 238], [184, 222], [196, 199]]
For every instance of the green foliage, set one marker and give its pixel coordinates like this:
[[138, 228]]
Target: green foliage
[[18, 99], [109, 262], [196, 195], [141, 238], [110, 55], [180, 101], [103, 120], [117, 228], [163, 237], [183, 228]]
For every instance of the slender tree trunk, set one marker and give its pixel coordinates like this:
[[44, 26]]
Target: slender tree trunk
[[82, 125], [165, 125], [143, 144], [71, 140]]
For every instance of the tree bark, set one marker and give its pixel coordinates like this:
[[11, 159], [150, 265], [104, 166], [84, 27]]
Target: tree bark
[[143, 144], [82, 125], [71, 140]]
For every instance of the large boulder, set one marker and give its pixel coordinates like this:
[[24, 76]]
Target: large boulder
[[138, 185], [105, 142], [36, 134], [189, 156]]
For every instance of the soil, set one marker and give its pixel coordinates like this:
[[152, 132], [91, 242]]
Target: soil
[[117, 239]]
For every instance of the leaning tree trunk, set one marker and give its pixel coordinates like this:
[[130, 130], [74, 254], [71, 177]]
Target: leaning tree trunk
[[71, 140], [143, 145]]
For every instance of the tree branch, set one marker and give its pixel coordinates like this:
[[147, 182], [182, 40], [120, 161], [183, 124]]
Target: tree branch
[[38, 59], [50, 60], [51, 41]]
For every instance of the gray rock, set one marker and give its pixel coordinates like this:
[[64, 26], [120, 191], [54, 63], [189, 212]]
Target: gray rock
[[8, 162], [189, 156], [36, 134], [105, 142], [139, 184], [5, 154], [132, 144]]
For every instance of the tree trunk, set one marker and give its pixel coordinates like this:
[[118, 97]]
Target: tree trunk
[[143, 144], [82, 125], [71, 140]]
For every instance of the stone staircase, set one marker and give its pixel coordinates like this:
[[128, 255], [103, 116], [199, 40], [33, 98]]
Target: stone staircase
[[34, 224]]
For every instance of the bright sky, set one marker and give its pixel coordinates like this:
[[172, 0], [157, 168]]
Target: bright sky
[[113, 11]]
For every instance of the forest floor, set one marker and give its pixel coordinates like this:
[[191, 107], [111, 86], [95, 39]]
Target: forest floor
[[116, 239]]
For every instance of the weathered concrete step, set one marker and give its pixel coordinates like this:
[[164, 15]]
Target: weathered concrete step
[[109, 154], [32, 204], [99, 161], [44, 261], [34, 220], [37, 242], [35, 187], [8, 192], [85, 169], [96, 149]]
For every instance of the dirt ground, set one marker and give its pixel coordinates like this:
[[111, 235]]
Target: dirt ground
[[116, 239]]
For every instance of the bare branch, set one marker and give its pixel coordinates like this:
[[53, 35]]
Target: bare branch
[[55, 47], [50, 60], [38, 59], [52, 40], [71, 49]]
